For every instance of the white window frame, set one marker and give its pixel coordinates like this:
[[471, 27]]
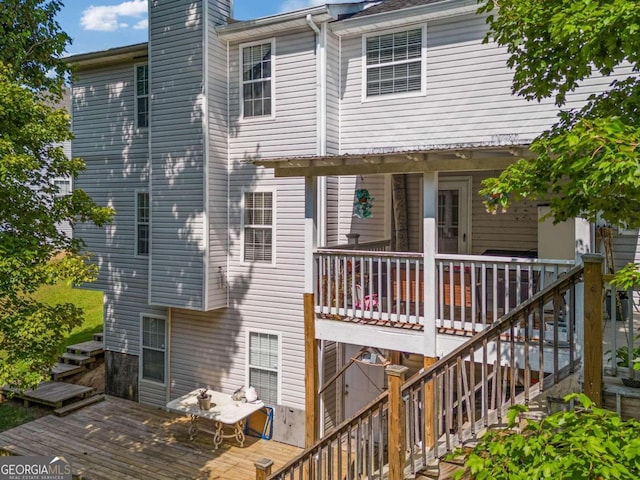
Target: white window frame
[[244, 226], [137, 222], [58, 180], [241, 47], [248, 365], [423, 65], [142, 347], [137, 97]]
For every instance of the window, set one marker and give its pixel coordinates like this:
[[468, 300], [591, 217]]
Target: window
[[263, 365], [153, 348], [258, 227], [257, 85], [142, 96], [394, 63], [64, 186], [142, 223]]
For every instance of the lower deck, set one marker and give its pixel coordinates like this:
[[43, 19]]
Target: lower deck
[[120, 439]]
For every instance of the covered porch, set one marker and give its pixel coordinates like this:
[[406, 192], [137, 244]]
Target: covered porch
[[425, 256]]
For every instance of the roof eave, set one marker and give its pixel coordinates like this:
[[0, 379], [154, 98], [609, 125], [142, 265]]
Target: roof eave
[[244, 30], [420, 13], [110, 56]]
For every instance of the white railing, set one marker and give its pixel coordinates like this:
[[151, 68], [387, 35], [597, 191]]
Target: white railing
[[475, 291], [472, 291]]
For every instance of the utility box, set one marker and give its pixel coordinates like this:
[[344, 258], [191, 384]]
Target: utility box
[[565, 240]]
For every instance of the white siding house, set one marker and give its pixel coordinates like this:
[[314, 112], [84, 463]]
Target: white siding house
[[213, 140]]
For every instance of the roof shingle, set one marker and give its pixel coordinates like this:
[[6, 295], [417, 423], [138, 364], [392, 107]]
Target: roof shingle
[[391, 5]]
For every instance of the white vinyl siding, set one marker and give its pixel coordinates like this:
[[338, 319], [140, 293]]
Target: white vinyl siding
[[393, 63], [263, 365], [142, 223], [177, 155], [153, 359], [257, 79], [258, 227], [142, 96]]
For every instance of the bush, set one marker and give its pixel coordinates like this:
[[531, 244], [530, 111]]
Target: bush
[[585, 443]]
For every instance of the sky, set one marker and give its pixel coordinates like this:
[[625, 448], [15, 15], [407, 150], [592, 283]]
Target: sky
[[101, 24]]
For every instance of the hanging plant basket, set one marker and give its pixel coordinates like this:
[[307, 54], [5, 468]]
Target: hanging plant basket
[[363, 204]]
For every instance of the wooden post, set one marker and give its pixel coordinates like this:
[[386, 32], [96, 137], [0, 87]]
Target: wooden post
[[397, 424], [429, 406], [592, 351], [263, 468], [311, 372]]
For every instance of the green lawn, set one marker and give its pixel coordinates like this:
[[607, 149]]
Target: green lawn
[[12, 415], [89, 300]]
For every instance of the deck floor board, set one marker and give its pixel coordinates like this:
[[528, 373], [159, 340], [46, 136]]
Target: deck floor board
[[118, 439]]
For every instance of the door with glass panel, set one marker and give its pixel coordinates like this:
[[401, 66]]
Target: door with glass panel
[[453, 216]]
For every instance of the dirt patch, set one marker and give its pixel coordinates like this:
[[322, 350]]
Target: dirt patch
[[91, 378]]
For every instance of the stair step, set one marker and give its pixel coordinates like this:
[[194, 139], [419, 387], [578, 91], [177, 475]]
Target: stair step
[[73, 359], [61, 370], [98, 337], [72, 407], [90, 348]]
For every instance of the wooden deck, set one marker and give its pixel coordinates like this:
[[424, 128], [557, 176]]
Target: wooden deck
[[119, 439]]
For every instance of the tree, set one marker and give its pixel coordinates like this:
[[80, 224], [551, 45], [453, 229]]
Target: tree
[[32, 250], [587, 164], [585, 442]]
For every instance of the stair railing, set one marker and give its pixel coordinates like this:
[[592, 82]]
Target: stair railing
[[463, 393], [530, 349]]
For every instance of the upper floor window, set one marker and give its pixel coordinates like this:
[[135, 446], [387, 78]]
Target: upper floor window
[[64, 186], [258, 227], [142, 96], [394, 63], [257, 79], [142, 223]]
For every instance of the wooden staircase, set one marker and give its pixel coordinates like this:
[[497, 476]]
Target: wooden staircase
[[62, 396], [79, 358], [454, 401]]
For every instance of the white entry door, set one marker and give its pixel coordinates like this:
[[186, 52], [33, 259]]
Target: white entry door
[[453, 216], [362, 382]]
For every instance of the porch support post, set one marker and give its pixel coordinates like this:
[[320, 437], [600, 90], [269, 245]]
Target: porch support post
[[310, 230], [311, 383], [310, 343], [592, 345], [430, 248], [396, 419], [429, 406]]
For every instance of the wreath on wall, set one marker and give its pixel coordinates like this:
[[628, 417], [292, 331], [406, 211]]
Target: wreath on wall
[[363, 204]]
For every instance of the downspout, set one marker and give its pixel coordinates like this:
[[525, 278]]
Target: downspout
[[321, 150], [321, 121]]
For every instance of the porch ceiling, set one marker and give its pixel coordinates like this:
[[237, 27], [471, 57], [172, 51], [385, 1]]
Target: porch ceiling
[[398, 161]]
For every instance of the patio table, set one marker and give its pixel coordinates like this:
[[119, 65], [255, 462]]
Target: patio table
[[224, 411]]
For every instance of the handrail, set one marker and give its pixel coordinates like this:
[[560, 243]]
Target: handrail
[[502, 259], [505, 320], [356, 448]]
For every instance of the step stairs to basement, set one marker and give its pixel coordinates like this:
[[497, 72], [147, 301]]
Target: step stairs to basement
[[79, 358]]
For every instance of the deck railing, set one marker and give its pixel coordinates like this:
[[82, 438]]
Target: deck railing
[[466, 391], [621, 331], [472, 291]]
